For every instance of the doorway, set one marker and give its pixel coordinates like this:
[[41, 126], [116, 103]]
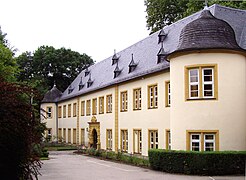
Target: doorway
[[94, 134]]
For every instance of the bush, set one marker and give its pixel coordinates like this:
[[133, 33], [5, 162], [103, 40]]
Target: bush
[[200, 163]]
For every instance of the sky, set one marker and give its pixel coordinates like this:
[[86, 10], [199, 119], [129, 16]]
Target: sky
[[94, 27]]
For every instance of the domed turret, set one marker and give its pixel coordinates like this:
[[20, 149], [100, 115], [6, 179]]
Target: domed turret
[[207, 32], [52, 95]]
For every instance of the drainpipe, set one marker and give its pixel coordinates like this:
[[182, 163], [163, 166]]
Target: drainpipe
[[57, 121]]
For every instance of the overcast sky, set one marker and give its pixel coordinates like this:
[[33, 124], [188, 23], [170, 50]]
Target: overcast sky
[[94, 27]]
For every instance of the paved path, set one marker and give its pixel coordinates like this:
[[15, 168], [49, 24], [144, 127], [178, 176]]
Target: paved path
[[68, 166]]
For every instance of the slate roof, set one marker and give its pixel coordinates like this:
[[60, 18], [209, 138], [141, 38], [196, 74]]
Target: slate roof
[[145, 53], [207, 32], [52, 95]]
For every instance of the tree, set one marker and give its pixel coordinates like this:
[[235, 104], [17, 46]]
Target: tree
[[21, 131], [164, 12], [48, 64]]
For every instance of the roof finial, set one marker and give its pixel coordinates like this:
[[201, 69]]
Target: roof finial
[[206, 5], [54, 83]]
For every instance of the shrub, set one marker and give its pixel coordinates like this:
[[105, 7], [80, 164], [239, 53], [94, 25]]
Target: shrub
[[200, 163]]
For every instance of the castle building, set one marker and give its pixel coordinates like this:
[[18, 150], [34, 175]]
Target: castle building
[[181, 88]]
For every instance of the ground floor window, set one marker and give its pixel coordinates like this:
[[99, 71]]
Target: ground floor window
[[69, 135], [109, 139], [137, 141], [205, 140], [60, 134], [64, 135], [153, 139], [168, 139], [82, 136], [124, 140], [74, 136]]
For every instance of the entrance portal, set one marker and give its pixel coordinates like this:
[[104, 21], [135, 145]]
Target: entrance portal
[[94, 134]]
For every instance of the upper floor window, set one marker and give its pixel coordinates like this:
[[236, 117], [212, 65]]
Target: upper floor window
[[123, 97], [64, 111], [201, 82], [74, 109], [94, 106], [88, 107], [168, 93], [69, 110], [137, 99], [109, 103], [82, 108], [101, 105], [59, 112], [153, 96], [49, 112]]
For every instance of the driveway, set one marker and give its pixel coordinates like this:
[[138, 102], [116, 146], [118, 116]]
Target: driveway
[[65, 165]]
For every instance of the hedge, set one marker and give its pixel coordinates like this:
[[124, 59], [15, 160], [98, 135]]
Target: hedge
[[117, 156], [198, 163]]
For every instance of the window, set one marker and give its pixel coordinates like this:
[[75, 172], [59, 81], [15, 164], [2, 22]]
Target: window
[[59, 135], [153, 96], [74, 136], [101, 105], [109, 103], [137, 99], [64, 135], [137, 141], [64, 111], [74, 109], [69, 110], [124, 140], [168, 139], [82, 108], [204, 140], [168, 93], [109, 139], [49, 134], [123, 97], [94, 106], [201, 82], [59, 112], [49, 112], [153, 139], [69, 135], [88, 107], [82, 136]]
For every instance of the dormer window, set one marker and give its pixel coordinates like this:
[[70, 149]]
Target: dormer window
[[161, 56], [87, 72], [89, 82], [70, 89], [115, 58], [161, 36], [117, 71], [81, 85], [132, 65]]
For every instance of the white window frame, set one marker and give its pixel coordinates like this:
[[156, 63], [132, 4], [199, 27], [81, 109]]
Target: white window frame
[[209, 141], [195, 140], [194, 83], [208, 82]]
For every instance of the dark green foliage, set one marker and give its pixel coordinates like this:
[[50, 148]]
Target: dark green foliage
[[48, 65], [200, 163], [119, 156], [164, 12]]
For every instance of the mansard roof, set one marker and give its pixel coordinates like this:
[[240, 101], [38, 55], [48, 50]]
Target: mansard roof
[[146, 50]]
